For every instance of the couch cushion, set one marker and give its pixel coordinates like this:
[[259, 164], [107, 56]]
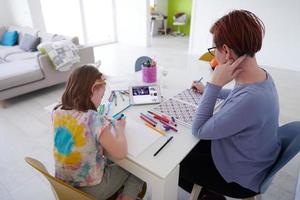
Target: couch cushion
[[9, 38], [56, 38], [6, 51], [29, 42], [21, 56], [22, 31], [18, 73], [45, 37]]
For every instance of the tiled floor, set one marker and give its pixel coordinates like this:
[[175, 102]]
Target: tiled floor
[[25, 126]]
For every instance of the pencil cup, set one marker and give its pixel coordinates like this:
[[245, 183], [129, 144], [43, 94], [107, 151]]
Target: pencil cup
[[149, 74]]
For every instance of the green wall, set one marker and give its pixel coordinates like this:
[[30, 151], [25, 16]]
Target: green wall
[[175, 6]]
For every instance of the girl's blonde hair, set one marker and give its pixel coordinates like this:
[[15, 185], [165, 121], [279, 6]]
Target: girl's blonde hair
[[78, 91]]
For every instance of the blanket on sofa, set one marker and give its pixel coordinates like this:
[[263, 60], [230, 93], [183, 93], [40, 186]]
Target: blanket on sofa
[[63, 54]]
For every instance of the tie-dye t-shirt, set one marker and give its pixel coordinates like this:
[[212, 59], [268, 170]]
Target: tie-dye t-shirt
[[78, 154]]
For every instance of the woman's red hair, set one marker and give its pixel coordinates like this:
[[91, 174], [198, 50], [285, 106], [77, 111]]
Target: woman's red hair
[[240, 30]]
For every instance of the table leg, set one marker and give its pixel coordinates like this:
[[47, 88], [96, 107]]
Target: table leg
[[152, 27], [165, 26], [165, 188], [157, 188]]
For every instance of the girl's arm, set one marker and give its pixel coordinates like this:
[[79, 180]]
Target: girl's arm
[[114, 145]]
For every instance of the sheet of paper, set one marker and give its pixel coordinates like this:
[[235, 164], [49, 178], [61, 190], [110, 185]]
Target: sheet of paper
[[139, 136], [119, 82]]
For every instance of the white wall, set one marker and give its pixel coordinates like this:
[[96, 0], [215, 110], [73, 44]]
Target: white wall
[[281, 44], [132, 17], [37, 17], [20, 12], [5, 13], [162, 6]]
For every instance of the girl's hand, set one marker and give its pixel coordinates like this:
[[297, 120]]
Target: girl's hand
[[198, 87], [225, 73], [120, 125]]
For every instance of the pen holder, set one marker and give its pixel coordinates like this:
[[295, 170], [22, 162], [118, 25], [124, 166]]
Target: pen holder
[[149, 74]]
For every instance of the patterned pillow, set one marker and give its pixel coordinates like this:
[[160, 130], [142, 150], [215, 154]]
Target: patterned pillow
[[63, 54]]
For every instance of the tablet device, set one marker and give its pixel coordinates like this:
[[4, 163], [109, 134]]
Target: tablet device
[[144, 94]]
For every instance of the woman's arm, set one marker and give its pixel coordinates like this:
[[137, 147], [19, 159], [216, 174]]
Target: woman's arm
[[236, 115], [223, 94]]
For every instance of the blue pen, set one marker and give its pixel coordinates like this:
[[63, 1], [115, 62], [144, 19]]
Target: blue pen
[[122, 110]]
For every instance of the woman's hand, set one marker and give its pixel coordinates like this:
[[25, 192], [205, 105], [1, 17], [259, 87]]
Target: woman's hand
[[198, 87], [225, 73]]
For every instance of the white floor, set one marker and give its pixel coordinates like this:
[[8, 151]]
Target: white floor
[[25, 126]]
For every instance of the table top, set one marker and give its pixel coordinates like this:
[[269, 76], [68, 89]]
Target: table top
[[183, 142]]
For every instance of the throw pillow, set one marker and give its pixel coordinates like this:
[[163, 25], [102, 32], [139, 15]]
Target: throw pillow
[[29, 42], [63, 54], [2, 31], [9, 38]]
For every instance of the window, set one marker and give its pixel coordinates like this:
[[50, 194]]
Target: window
[[91, 20]]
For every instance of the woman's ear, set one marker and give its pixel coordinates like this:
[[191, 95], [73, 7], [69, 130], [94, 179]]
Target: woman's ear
[[227, 51]]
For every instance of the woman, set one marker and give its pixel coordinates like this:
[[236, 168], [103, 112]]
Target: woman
[[238, 144]]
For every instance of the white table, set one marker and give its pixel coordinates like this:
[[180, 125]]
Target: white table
[[162, 172]]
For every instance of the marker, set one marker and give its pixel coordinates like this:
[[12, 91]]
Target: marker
[[148, 121], [168, 119], [159, 131], [122, 110], [108, 108], [166, 124], [170, 138], [118, 117], [115, 97], [173, 119], [120, 93], [101, 109], [153, 121], [110, 98], [157, 116]]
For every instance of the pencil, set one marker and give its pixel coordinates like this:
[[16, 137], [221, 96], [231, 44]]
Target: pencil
[[170, 138], [159, 131]]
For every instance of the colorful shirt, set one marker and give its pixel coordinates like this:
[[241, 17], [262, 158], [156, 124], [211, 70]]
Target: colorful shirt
[[78, 154]]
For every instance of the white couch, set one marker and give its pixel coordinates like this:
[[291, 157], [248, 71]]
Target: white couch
[[22, 72]]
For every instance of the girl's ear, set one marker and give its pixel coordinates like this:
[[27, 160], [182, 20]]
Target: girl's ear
[[93, 87]]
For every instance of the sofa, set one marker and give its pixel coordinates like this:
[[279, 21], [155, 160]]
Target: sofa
[[25, 71]]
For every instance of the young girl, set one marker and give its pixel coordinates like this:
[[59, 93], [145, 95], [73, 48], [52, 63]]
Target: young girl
[[81, 135]]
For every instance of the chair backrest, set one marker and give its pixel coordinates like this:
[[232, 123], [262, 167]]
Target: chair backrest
[[289, 135], [180, 17], [140, 61], [61, 190]]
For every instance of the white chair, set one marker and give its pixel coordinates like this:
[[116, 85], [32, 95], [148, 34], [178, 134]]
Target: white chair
[[179, 19]]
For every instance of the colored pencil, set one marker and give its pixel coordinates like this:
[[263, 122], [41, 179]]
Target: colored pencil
[[147, 120], [159, 131]]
